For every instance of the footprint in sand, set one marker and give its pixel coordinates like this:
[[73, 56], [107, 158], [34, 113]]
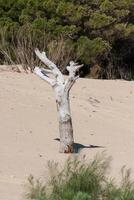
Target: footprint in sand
[[94, 102]]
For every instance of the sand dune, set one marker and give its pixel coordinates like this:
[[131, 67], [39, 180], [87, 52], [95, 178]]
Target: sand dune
[[103, 115]]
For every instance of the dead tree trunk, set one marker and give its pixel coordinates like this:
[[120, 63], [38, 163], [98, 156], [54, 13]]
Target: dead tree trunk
[[61, 88], [65, 121]]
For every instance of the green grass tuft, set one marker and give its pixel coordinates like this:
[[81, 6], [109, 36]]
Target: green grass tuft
[[79, 180]]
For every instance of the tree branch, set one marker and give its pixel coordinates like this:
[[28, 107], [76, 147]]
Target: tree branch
[[41, 74], [72, 69], [55, 71]]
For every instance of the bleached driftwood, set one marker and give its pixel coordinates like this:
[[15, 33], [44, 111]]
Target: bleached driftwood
[[61, 87]]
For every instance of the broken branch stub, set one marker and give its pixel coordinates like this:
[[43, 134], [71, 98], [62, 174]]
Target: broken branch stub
[[61, 88]]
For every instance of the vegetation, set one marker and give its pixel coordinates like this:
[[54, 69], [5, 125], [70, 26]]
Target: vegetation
[[79, 180], [98, 33]]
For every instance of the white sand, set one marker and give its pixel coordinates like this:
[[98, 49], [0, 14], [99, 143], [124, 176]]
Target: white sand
[[103, 115]]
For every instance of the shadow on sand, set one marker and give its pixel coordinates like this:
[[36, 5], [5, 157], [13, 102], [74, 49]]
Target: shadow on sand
[[78, 147]]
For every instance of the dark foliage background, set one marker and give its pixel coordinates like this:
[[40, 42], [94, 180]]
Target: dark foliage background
[[98, 33]]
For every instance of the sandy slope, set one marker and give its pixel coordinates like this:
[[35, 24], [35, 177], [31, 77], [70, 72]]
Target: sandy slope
[[103, 115]]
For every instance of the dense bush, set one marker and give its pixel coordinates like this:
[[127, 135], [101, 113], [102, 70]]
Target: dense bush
[[98, 33], [79, 180]]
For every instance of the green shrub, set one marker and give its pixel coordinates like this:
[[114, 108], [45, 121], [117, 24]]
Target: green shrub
[[96, 29], [79, 180]]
